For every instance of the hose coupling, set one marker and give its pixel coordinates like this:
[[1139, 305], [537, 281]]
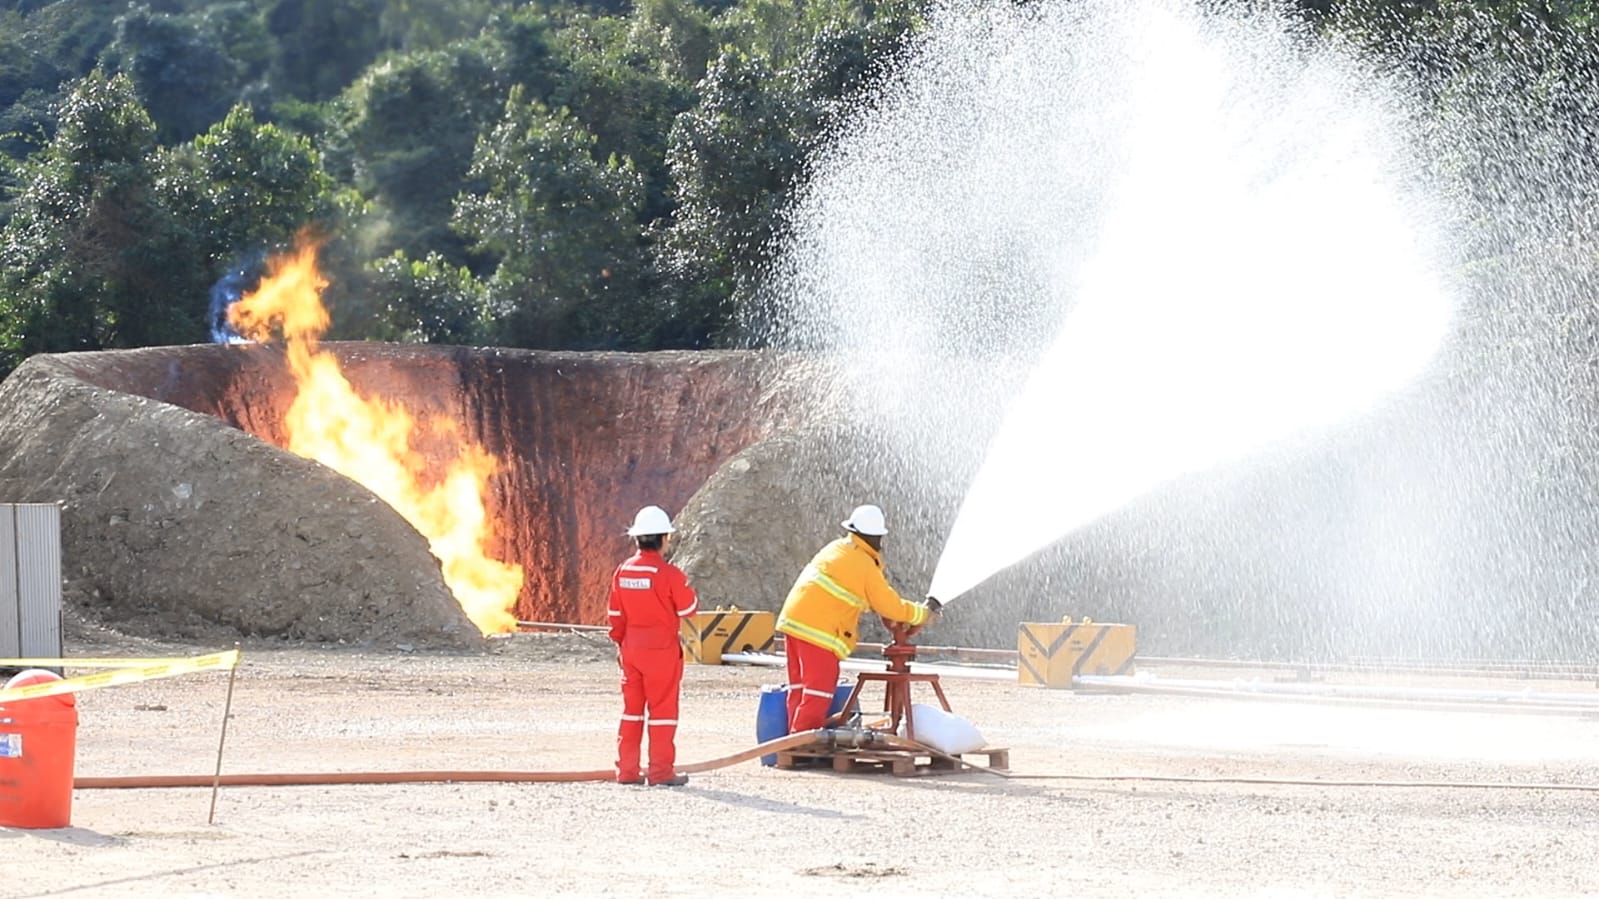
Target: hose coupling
[[850, 737]]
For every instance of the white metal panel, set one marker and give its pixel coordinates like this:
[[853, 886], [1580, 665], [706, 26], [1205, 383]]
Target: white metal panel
[[38, 528], [10, 606]]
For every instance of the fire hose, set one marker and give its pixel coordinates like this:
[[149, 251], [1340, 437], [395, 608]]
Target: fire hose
[[832, 738], [342, 778]]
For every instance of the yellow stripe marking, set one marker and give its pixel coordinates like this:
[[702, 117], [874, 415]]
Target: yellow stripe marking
[[221, 661], [832, 587], [812, 635]]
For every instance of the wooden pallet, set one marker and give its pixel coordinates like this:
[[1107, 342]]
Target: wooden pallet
[[902, 763]]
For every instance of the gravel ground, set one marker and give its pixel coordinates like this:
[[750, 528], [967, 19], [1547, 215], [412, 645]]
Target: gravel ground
[[546, 702]]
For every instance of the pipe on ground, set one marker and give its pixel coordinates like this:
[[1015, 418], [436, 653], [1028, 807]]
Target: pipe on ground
[[1482, 701], [771, 660], [1312, 782]]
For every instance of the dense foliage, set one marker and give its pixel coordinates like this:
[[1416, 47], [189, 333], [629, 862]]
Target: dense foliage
[[567, 174]]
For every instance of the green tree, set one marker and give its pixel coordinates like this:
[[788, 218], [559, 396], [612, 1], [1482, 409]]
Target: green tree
[[409, 126], [431, 24], [22, 68], [735, 159], [70, 34], [563, 227], [782, 32], [85, 256], [244, 185], [846, 58], [627, 80], [25, 126], [183, 74], [676, 35], [42, 47], [522, 46], [429, 300], [319, 48]]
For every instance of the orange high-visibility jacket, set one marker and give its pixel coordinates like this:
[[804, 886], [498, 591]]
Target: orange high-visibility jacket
[[824, 606]]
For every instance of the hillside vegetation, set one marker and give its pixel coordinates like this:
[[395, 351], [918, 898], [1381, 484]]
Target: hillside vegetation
[[563, 174]]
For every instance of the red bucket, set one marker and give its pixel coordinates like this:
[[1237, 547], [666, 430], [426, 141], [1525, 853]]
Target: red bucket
[[38, 746]]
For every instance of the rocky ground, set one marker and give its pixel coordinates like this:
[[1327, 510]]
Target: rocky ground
[[548, 702]]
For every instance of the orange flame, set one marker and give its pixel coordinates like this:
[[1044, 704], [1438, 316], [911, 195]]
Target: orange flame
[[370, 441]]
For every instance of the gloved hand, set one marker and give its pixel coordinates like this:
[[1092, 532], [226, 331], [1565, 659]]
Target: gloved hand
[[935, 609]]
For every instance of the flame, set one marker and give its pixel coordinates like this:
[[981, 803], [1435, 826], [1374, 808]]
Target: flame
[[373, 442]]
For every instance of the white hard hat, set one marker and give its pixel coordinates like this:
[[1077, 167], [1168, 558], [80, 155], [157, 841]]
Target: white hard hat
[[866, 520], [650, 520]]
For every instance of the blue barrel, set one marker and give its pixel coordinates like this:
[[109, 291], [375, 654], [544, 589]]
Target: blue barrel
[[840, 696], [771, 717]]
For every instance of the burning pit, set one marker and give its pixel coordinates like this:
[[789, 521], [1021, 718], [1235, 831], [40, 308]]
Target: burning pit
[[175, 517], [457, 489], [454, 490]]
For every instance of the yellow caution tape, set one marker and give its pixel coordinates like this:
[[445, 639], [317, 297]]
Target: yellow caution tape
[[221, 661], [86, 663]]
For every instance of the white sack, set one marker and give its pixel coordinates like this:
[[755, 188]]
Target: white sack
[[944, 731]]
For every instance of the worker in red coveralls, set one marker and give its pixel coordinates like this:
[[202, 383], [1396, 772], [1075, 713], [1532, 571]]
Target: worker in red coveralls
[[650, 597]]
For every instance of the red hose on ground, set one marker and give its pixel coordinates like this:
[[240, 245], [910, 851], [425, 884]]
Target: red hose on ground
[[791, 741], [342, 778]]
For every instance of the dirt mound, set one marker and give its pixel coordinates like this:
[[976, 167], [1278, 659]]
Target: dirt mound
[[175, 523], [746, 534]]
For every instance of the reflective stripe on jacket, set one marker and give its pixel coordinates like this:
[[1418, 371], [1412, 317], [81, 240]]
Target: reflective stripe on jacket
[[649, 597], [824, 606]]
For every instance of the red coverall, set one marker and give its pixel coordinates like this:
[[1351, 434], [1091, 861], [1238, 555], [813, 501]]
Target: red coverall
[[649, 598]]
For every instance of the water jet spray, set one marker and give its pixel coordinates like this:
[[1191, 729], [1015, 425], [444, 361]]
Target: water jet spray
[[1163, 238]]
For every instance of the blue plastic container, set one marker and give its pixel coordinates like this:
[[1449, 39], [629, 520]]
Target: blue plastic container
[[771, 717], [840, 696]]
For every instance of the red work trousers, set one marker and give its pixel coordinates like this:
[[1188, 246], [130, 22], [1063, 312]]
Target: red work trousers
[[812, 679], [651, 679]]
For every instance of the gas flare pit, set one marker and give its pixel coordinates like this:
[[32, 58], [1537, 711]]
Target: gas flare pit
[[362, 492]]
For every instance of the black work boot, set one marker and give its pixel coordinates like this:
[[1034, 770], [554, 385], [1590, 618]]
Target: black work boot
[[676, 780]]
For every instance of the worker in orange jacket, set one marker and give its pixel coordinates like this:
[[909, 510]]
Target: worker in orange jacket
[[820, 619], [649, 599]]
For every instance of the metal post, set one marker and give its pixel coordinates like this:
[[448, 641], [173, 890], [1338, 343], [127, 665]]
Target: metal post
[[227, 711]]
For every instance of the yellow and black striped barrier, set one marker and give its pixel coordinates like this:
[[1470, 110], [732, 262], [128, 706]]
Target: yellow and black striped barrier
[[1050, 655], [707, 635], [125, 671]]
